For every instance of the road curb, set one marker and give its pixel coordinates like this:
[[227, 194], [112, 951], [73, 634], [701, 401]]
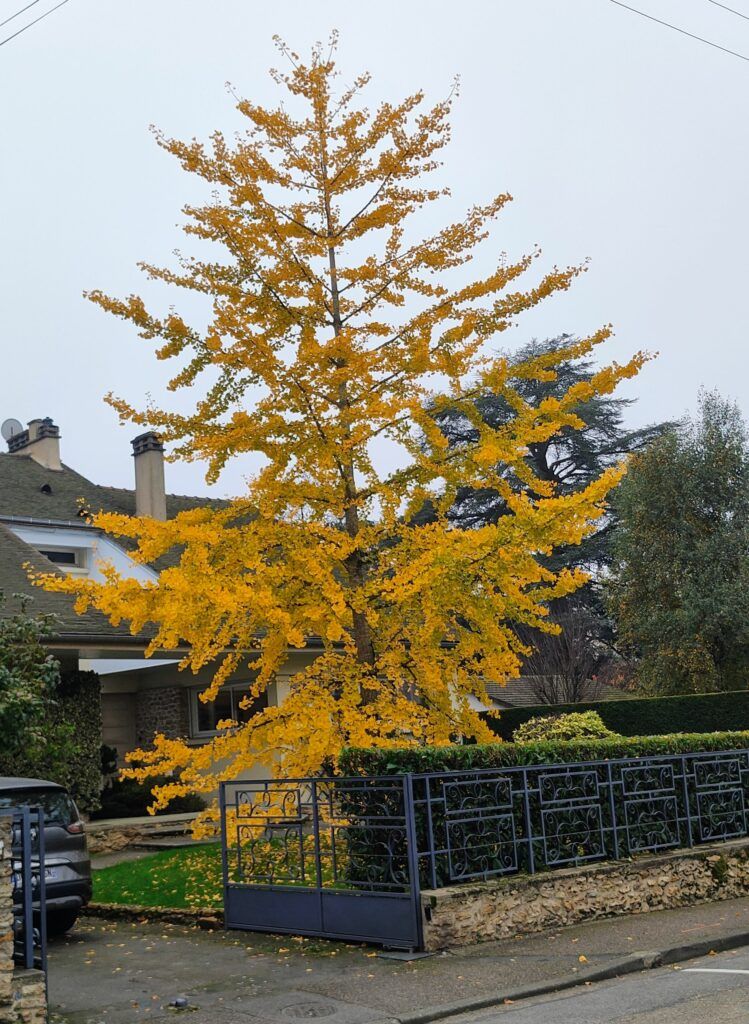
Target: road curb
[[640, 961], [616, 969], [202, 918]]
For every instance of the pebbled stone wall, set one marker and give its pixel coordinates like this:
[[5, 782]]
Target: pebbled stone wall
[[161, 710], [23, 997], [120, 833], [505, 907]]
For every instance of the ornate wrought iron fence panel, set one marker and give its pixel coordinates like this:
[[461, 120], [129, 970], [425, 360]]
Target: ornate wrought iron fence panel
[[488, 822], [27, 879], [332, 857], [347, 858]]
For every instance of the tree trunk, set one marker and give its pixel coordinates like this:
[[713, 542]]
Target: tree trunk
[[354, 564]]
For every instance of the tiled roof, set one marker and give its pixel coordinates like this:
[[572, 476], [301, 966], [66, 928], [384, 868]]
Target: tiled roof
[[524, 692], [30, 491], [14, 554], [22, 480]]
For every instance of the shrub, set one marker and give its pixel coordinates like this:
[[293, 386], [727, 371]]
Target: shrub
[[68, 750], [126, 798], [577, 725], [644, 716], [468, 757]]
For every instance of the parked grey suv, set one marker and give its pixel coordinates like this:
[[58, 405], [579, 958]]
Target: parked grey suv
[[67, 863]]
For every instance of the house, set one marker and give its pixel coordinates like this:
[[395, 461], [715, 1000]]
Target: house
[[42, 525], [531, 691]]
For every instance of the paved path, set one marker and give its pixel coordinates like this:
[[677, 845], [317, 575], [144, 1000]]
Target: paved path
[[122, 973], [688, 993]]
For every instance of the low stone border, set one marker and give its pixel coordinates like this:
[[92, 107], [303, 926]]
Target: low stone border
[[202, 917], [504, 907]]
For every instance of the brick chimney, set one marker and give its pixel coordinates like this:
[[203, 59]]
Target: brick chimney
[[150, 490], [40, 441]]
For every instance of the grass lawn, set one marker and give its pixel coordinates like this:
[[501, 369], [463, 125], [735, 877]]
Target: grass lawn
[[190, 877], [181, 879]]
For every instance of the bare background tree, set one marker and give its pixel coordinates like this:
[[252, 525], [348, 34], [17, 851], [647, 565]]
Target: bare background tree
[[566, 668]]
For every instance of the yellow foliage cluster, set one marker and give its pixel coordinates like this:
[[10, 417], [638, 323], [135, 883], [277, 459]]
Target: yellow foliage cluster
[[335, 326]]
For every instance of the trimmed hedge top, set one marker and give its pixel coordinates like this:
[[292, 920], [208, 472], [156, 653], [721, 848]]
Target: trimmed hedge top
[[468, 757], [644, 716]]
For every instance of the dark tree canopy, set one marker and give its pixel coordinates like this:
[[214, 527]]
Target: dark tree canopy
[[563, 665], [570, 460], [680, 583]]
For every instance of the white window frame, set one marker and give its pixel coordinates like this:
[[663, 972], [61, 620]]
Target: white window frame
[[193, 704], [82, 559]]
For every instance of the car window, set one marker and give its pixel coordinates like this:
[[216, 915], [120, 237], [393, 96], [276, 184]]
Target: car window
[[58, 808]]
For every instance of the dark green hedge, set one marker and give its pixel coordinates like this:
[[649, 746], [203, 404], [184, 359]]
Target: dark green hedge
[[645, 716], [69, 752], [459, 757]]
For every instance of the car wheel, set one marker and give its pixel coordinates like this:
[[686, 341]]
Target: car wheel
[[60, 921]]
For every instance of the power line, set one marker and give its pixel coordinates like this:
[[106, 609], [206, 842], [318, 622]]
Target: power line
[[18, 12], [34, 22], [683, 31], [739, 14]]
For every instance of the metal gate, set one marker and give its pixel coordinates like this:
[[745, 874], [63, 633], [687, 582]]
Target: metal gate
[[322, 856]]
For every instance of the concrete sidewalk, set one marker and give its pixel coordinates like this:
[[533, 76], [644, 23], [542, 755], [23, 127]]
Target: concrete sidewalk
[[120, 972]]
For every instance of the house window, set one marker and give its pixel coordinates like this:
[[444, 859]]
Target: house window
[[70, 559], [205, 717]]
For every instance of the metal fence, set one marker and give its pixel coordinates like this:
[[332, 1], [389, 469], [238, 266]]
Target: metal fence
[[28, 886], [485, 823], [348, 857]]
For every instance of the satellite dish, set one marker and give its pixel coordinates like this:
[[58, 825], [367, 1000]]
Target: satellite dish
[[10, 428]]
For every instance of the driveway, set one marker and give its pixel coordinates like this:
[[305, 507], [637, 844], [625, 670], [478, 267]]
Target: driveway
[[121, 973]]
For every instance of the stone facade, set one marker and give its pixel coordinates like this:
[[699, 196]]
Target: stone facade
[[506, 907], [163, 709], [23, 997]]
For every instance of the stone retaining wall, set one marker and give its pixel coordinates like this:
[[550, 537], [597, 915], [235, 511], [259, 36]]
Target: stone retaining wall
[[119, 833], [505, 907], [22, 993]]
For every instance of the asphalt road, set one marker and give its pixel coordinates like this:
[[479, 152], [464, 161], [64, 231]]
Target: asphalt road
[[697, 991]]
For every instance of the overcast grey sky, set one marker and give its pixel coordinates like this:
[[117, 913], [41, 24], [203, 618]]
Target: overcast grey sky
[[620, 140]]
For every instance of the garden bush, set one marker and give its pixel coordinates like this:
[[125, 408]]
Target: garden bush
[[126, 798], [644, 716], [468, 757], [575, 726], [68, 749]]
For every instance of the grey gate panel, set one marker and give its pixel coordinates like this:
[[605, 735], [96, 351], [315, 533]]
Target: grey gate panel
[[323, 856]]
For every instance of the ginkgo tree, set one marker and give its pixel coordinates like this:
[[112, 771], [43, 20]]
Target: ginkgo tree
[[335, 326]]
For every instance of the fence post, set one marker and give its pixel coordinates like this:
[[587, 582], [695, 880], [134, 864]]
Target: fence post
[[316, 835], [42, 894], [685, 793], [28, 896], [224, 843], [612, 808], [413, 858], [430, 832], [528, 823]]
